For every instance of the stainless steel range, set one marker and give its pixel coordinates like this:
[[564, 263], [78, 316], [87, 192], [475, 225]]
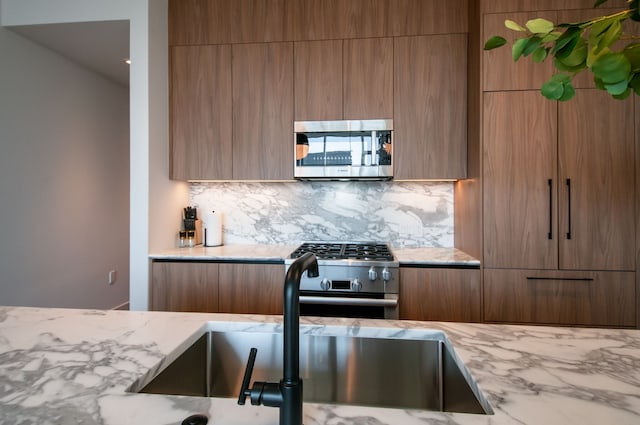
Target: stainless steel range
[[357, 279]]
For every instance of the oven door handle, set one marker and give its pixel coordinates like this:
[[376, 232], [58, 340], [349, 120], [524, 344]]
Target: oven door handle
[[374, 302]]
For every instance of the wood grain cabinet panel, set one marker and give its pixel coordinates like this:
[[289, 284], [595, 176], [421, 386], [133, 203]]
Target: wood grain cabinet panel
[[198, 22], [420, 17], [597, 192], [520, 183], [318, 80], [368, 78], [430, 94], [188, 286], [251, 288], [499, 71], [262, 111], [560, 297], [200, 106], [440, 294]]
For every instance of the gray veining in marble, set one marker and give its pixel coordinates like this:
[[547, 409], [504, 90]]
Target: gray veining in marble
[[401, 213], [69, 366]]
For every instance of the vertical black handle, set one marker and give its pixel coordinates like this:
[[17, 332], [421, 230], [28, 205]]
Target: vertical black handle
[[569, 208], [244, 389], [550, 209]]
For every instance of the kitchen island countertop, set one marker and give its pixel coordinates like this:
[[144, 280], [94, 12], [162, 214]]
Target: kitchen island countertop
[[64, 366], [428, 256]]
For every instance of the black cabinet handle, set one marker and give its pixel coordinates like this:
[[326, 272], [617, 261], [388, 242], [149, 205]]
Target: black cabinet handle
[[550, 209], [580, 279], [569, 208]]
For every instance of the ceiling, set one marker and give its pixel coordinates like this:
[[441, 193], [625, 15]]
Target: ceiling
[[99, 46]]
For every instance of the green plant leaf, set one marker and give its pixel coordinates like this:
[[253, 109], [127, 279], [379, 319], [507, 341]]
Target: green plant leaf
[[612, 68], [494, 42], [561, 78], [578, 55], [514, 26], [539, 55], [624, 95], [552, 36], [552, 89], [568, 93], [540, 26], [598, 82], [606, 38], [617, 88], [531, 46], [518, 47], [593, 57], [632, 52], [573, 69], [635, 83], [599, 2], [568, 38]]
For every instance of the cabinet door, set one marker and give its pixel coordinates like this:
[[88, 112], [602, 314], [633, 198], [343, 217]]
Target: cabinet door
[[499, 71], [519, 184], [440, 294], [263, 111], [560, 297], [200, 110], [430, 107], [597, 169], [198, 22], [251, 288], [189, 287], [368, 78], [318, 80]]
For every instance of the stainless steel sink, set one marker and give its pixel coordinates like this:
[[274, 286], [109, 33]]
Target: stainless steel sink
[[380, 372]]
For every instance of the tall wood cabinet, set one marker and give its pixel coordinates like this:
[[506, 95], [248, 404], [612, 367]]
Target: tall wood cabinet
[[559, 195]]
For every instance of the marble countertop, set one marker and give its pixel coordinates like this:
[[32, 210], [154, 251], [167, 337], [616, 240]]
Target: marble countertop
[[60, 366], [276, 253]]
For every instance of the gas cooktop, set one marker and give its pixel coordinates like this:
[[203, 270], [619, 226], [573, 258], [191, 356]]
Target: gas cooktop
[[363, 251]]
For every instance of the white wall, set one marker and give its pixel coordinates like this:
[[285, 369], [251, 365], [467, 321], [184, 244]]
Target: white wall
[[150, 188], [64, 181]]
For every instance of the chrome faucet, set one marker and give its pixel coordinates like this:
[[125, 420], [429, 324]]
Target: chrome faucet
[[287, 394]]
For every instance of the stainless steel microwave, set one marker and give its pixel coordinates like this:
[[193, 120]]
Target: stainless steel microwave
[[343, 150]]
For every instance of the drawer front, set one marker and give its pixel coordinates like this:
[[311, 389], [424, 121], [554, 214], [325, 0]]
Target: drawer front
[[560, 297]]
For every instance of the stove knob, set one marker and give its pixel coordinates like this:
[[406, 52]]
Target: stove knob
[[386, 274], [356, 285], [373, 274], [325, 284]]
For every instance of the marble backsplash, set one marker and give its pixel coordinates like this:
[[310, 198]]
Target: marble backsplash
[[405, 214]]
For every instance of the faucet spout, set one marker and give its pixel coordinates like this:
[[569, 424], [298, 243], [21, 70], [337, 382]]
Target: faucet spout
[[287, 395]]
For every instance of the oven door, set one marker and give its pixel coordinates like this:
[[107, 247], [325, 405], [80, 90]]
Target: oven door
[[349, 304]]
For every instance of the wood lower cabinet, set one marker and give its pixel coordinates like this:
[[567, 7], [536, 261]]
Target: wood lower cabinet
[[251, 288], [440, 294], [587, 298], [184, 286]]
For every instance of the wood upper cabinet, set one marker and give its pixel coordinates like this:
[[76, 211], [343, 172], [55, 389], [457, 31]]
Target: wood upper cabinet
[[262, 111], [368, 78], [560, 297], [597, 187], [184, 286], [430, 93], [199, 22], [200, 105], [559, 190], [520, 180], [499, 71], [344, 79], [251, 288], [318, 80], [440, 294]]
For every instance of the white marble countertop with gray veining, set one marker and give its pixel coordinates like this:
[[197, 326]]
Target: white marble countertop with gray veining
[[275, 253], [63, 366]]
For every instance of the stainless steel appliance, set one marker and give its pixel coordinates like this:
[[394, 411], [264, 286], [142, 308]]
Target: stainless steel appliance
[[356, 279], [343, 150]]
